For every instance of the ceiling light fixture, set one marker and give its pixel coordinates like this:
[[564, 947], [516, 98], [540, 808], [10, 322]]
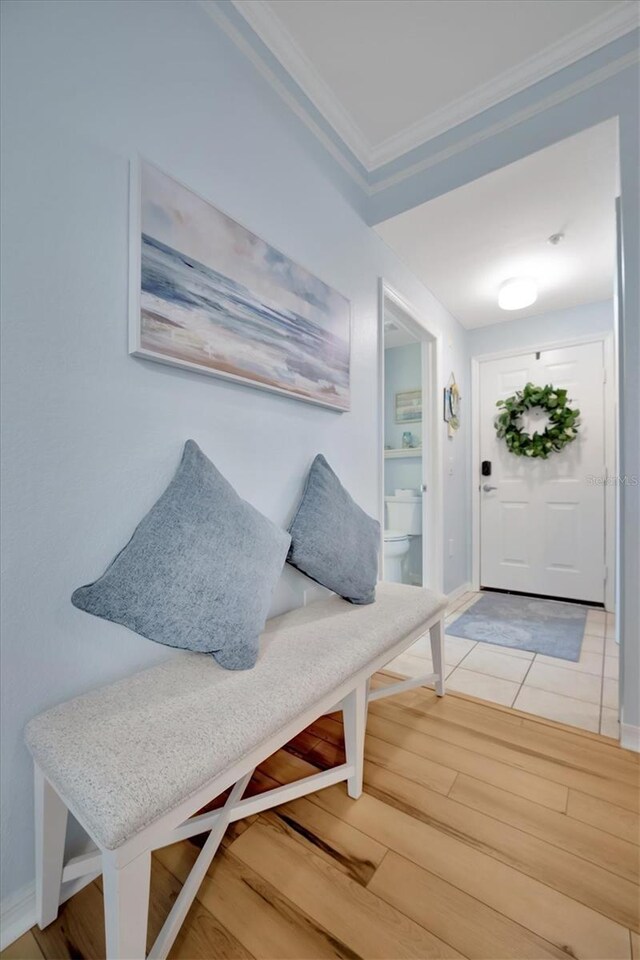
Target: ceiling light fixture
[[516, 293]]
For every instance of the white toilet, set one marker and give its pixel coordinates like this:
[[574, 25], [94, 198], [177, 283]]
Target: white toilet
[[396, 547], [403, 519]]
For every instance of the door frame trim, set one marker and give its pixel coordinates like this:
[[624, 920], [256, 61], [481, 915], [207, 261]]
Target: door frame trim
[[610, 452], [431, 340]]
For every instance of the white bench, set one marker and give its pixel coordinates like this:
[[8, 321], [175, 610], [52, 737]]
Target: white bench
[[134, 761]]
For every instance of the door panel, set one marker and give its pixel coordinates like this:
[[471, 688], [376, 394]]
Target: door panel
[[542, 528], [513, 531], [561, 536]]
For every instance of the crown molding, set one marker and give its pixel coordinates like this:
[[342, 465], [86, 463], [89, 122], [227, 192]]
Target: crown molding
[[273, 33], [501, 126], [614, 23], [618, 21]]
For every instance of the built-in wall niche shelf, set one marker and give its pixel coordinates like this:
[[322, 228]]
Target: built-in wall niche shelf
[[404, 452]]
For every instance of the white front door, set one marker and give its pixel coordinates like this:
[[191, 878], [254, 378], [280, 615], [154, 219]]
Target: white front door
[[542, 522]]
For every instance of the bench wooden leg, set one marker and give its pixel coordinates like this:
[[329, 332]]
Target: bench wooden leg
[[126, 907], [354, 712], [436, 635], [50, 835]]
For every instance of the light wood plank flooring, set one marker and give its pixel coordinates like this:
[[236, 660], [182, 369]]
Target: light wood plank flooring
[[482, 833]]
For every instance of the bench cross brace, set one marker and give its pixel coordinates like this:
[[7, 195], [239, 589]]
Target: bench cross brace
[[181, 907]]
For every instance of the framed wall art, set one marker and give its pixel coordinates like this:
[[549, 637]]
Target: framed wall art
[[210, 296]]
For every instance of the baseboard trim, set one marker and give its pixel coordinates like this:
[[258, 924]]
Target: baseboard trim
[[18, 911], [17, 914], [463, 588], [630, 737]]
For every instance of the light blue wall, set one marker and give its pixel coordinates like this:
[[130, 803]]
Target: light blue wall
[[91, 436], [582, 321]]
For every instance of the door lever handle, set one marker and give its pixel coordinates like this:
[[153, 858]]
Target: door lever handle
[[488, 488]]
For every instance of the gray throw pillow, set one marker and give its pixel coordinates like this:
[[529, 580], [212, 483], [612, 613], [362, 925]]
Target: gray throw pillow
[[198, 572], [333, 540]]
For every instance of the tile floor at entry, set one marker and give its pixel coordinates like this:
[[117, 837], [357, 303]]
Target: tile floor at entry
[[582, 694]]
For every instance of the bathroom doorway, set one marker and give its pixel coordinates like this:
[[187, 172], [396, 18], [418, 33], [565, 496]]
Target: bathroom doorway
[[410, 447]]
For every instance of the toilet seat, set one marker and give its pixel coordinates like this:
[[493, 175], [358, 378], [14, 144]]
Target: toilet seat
[[391, 536]]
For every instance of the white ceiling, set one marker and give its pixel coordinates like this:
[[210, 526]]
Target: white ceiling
[[390, 74], [464, 244]]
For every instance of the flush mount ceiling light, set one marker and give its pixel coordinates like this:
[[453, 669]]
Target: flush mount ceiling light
[[518, 292]]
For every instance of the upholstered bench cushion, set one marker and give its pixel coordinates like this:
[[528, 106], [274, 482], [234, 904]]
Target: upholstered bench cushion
[[128, 753]]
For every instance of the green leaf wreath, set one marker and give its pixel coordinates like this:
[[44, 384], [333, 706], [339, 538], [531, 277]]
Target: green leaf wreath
[[561, 429]]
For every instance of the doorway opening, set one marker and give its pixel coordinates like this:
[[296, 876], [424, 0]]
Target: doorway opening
[[410, 452]]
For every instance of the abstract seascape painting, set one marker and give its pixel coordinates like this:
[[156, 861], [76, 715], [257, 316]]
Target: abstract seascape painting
[[210, 296]]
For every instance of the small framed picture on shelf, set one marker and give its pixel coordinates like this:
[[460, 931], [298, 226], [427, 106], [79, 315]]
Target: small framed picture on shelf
[[409, 406]]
